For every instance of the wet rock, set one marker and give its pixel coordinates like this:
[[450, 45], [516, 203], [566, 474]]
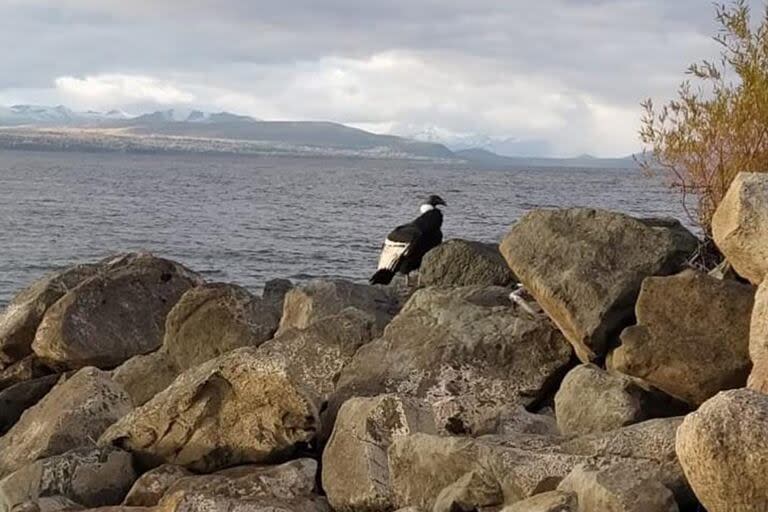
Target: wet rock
[[621, 487], [91, 477], [552, 501], [213, 319], [308, 303], [465, 263], [152, 485], [146, 375], [740, 226], [722, 448], [236, 409], [20, 397], [585, 267], [692, 337], [465, 351], [593, 400], [115, 314], [72, 415], [355, 466], [19, 321]]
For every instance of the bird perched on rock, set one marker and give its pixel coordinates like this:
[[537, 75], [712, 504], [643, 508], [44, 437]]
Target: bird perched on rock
[[407, 244]]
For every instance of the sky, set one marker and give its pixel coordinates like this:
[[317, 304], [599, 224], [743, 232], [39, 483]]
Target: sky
[[553, 77]]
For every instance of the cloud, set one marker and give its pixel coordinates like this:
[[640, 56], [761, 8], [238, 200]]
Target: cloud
[[570, 72], [108, 90]]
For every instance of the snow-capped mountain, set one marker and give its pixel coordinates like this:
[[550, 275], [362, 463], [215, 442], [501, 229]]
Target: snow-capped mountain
[[60, 115], [505, 146]]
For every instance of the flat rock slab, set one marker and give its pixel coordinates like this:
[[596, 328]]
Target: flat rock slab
[[585, 267]]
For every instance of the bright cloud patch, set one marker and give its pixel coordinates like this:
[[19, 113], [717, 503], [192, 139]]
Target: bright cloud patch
[[107, 91]]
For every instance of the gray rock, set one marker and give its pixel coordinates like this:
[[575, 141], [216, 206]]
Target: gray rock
[[465, 351], [72, 415], [213, 319], [722, 448], [20, 397], [592, 400], [115, 314], [19, 321], [236, 409], [308, 303], [465, 263], [48, 504], [355, 467], [740, 226], [585, 267], [91, 477], [692, 336]]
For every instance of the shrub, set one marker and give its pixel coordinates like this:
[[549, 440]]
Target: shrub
[[719, 127]]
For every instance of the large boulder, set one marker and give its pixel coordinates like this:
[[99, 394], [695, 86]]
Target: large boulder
[[72, 415], [146, 375], [316, 355], [692, 336], [236, 409], [152, 485], [212, 319], [355, 466], [621, 487], [740, 225], [207, 502], [20, 397], [427, 470], [466, 352], [592, 400], [465, 263], [19, 321], [318, 299], [113, 315], [585, 267], [90, 477], [758, 340], [723, 448]]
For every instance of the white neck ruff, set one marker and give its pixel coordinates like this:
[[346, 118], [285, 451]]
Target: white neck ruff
[[426, 207]]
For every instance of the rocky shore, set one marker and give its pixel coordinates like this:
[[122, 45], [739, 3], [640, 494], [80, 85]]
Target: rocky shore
[[628, 382]]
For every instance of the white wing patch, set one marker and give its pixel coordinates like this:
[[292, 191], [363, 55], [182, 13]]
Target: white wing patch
[[391, 254]]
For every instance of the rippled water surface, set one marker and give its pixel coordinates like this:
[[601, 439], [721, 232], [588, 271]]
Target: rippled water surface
[[248, 219]]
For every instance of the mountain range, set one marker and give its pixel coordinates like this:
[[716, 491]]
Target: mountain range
[[175, 130]]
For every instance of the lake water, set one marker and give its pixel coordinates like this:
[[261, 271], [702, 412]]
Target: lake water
[[250, 219]]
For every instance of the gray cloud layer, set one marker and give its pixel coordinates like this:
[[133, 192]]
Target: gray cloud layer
[[570, 72]]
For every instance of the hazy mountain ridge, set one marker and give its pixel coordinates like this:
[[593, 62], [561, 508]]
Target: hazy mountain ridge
[[195, 131]]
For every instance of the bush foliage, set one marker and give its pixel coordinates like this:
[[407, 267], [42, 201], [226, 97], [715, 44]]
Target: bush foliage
[[718, 125]]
